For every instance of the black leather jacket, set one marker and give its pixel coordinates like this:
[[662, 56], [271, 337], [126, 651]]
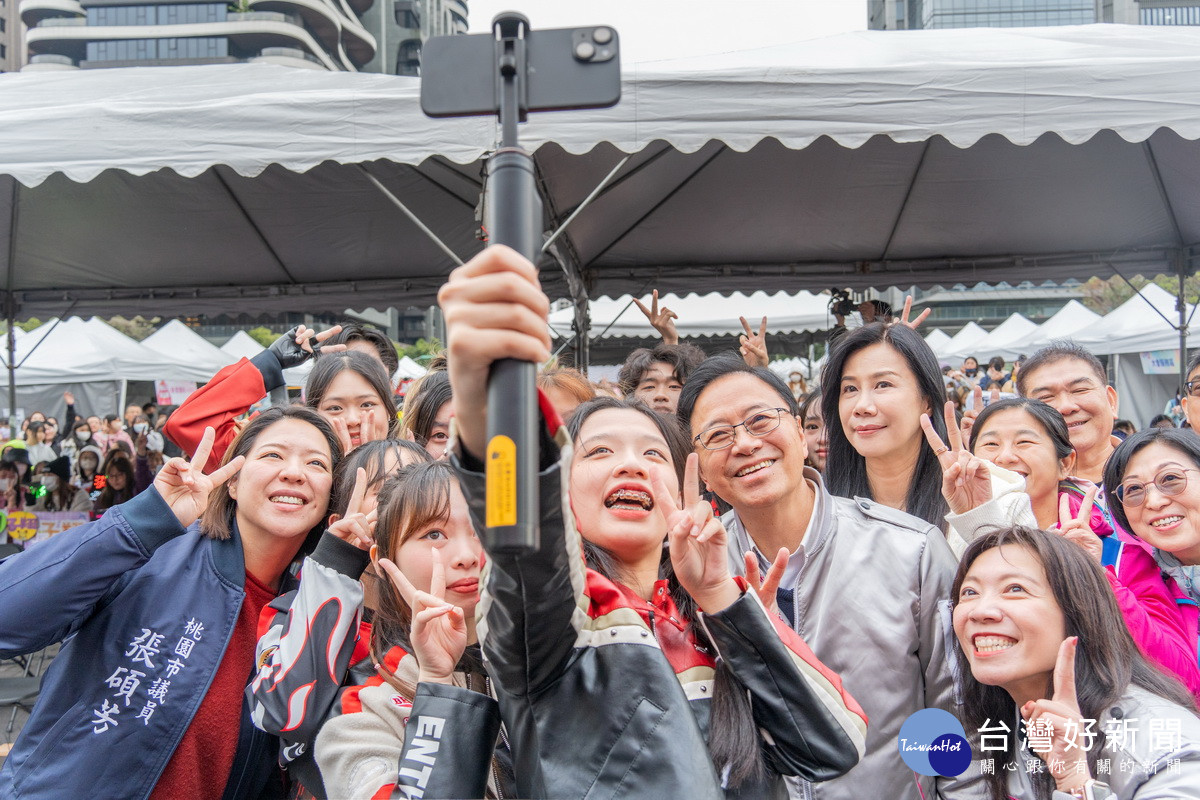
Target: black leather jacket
[[591, 703]]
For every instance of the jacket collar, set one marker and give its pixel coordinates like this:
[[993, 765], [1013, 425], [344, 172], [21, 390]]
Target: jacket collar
[[820, 524]]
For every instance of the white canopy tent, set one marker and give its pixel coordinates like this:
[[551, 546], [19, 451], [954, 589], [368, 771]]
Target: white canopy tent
[[242, 345], [999, 341], [937, 339], [962, 344], [1069, 319], [177, 341]]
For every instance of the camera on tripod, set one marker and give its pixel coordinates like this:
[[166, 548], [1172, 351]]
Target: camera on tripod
[[840, 304]]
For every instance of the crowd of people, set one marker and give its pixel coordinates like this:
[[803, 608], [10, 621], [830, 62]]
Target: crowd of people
[[741, 588]]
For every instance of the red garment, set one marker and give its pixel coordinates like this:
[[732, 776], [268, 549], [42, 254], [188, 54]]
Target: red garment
[[218, 403], [201, 764]]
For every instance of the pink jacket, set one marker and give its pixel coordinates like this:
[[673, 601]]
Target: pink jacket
[[1165, 630]]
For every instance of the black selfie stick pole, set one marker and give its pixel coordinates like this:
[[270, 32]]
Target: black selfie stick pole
[[514, 218]]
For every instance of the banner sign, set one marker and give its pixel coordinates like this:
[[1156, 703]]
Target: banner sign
[[1160, 362], [27, 527], [173, 393]]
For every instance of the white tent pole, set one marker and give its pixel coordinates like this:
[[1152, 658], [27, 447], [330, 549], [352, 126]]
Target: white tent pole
[[124, 389]]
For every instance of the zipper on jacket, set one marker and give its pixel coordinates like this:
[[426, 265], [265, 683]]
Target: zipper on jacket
[[487, 689]]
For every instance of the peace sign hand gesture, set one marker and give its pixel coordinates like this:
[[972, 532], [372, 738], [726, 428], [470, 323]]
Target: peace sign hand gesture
[[439, 629], [916, 323], [966, 483], [184, 486], [1066, 760], [697, 542], [356, 527], [768, 585], [1078, 527], [754, 345], [662, 320]]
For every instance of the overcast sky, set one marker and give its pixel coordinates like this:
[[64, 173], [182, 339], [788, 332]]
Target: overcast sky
[[656, 29]]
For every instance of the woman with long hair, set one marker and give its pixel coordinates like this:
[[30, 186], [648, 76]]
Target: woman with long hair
[[878, 381], [1029, 438], [816, 435], [361, 406], [1039, 635], [427, 412], [627, 639], [317, 643], [158, 604]]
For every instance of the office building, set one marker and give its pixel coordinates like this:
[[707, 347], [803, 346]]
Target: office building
[[87, 34], [400, 26], [931, 14]]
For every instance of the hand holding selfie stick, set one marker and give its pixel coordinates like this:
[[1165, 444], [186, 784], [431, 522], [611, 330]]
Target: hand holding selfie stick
[[509, 73]]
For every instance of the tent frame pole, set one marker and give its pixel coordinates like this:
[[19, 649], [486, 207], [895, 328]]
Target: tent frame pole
[[1181, 306]]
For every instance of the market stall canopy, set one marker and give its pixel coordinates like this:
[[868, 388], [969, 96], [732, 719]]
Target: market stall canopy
[[962, 344], [937, 339], [178, 341], [1072, 317], [999, 341], [703, 315], [1142, 323], [867, 159], [242, 345]]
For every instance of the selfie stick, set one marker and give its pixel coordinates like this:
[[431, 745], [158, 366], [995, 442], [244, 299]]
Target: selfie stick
[[513, 218]]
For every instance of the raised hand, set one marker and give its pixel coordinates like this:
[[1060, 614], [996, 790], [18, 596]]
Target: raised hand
[[356, 527], [977, 406], [439, 629], [70, 398], [697, 542], [966, 483], [916, 323], [754, 345], [767, 587], [494, 308], [1066, 760], [184, 486], [662, 320], [1078, 527]]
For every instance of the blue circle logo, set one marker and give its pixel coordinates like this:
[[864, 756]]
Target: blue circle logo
[[933, 743]]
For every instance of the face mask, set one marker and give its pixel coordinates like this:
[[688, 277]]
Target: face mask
[[141, 427], [5, 484], [50, 482], [83, 437]]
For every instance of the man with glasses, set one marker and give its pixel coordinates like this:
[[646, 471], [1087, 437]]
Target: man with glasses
[[1191, 394], [1074, 382], [868, 587]]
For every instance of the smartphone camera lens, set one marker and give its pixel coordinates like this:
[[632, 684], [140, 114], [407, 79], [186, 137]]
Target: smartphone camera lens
[[602, 35], [584, 51]]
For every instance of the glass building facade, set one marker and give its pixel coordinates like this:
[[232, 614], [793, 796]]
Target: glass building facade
[[1000, 13]]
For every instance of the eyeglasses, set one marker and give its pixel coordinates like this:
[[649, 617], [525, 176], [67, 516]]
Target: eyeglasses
[[1169, 482], [1192, 388], [760, 423]]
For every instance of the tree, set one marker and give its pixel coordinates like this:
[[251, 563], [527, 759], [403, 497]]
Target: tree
[[29, 324], [263, 335], [1102, 296], [422, 351], [137, 328]]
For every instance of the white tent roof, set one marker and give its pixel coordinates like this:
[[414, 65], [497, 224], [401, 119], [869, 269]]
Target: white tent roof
[[962, 344], [78, 351], [703, 315], [179, 342], [937, 339], [999, 341], [1137, 325], [409, 369], [991, 154], [242, 345], [1072, 317]]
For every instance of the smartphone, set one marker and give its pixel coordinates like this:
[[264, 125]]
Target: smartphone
[[566, 67]]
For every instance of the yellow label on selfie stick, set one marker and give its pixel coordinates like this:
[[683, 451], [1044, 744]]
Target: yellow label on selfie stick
[[501, 473]]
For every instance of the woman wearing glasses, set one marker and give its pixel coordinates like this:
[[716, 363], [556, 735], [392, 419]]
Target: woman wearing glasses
[[1153, 485]]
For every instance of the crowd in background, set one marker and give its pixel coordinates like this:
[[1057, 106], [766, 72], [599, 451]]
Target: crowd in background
[[744, 585]]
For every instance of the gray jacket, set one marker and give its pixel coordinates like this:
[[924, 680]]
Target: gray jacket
[[1163, 764], [872, 600]]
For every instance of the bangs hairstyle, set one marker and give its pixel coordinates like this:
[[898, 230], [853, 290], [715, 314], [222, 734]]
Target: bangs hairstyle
[[1185, 442], [414, 498], [354, 332], [718, 366], [421, 407], [1045, 415], [845, 469], [1107, 660], [683, 358], [567, 380], [328, 366], [217, 519], [733, 736], [373, 457]]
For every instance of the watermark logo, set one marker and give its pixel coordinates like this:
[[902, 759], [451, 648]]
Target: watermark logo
[[932, 742]]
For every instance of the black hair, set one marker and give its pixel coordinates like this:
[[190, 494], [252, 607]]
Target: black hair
[[421, 409], [1161, 418], [845, 468], [733, 740], [1107, 661], [1186, 442], [720, 365], [371, 456], [1059, 350], [1193, 363], [997, 363], [683, 358], [353, 331], [1046, 415], [329, 365]]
